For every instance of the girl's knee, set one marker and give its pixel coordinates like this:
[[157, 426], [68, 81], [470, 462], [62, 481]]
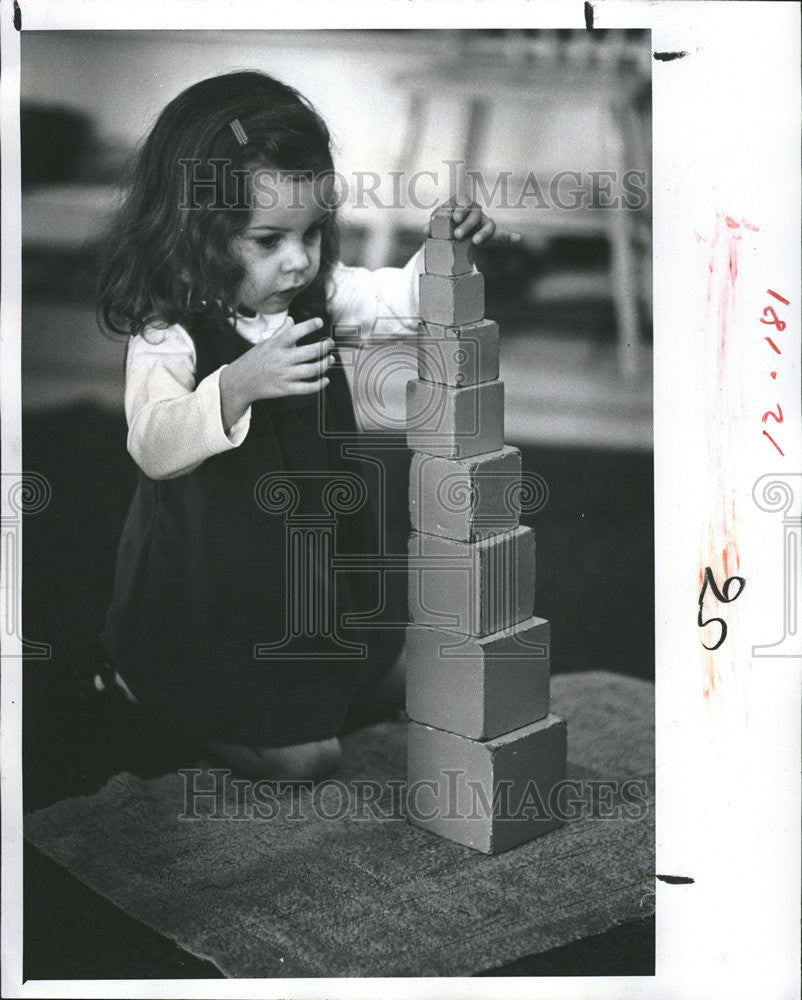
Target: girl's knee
[[299, 762]]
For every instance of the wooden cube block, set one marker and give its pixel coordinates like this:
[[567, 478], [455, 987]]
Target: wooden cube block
[[474, 588], [437, 331], [442, 225], [465, 498], [452, 301], [469, 357], [450, 257], [455, 423], [479, 687], [489, 796]]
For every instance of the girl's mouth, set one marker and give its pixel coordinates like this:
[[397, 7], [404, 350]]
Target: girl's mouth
[[287, 294]]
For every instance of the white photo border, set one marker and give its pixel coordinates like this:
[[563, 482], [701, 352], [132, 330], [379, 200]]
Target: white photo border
[[726, 187]]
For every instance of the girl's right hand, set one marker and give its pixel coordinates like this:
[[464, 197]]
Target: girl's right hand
[[276, 367]]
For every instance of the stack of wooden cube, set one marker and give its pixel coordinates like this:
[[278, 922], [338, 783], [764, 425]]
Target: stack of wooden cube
[[484, 752]]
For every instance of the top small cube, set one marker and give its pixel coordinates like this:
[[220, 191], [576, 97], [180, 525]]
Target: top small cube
[[442, 225]]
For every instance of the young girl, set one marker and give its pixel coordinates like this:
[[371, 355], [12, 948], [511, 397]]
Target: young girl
[[230, 617]]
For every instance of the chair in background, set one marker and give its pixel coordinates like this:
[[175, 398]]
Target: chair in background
[[607, 72]]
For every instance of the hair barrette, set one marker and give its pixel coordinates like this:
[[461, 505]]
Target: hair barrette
[[239, 132]]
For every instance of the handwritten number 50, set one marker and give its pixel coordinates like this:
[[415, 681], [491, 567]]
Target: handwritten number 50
[[723, 596]]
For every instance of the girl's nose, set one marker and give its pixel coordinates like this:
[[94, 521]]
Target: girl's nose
[[296, 257]]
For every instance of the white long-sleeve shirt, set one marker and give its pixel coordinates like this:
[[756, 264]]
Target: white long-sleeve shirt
[[174, 425]]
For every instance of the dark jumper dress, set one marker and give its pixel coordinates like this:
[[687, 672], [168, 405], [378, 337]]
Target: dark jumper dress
[[227, 613]]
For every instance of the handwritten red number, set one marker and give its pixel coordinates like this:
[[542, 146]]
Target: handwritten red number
[[779, 449], [774, 321]]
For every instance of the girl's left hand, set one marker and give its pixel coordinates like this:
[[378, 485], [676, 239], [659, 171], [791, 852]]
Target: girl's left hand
[[471, 221]]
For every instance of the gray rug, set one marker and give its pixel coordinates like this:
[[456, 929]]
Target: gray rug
[[334, 882]]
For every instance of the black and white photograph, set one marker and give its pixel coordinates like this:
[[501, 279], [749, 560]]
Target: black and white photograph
[[400, 502]]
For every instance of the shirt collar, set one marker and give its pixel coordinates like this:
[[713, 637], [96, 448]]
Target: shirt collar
[[260, 326]]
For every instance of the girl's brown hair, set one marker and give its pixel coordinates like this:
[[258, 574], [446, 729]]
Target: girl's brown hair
[[168, 253]]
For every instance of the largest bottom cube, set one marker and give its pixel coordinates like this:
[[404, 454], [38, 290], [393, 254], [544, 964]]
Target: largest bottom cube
[[490, 795]]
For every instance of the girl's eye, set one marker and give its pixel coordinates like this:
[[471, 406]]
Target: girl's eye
[[268, 242], [313, 234]]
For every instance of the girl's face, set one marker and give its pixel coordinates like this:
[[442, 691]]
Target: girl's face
[[280, 248]]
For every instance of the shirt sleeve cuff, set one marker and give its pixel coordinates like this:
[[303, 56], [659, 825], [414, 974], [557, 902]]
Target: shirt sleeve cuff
[[214, 433]]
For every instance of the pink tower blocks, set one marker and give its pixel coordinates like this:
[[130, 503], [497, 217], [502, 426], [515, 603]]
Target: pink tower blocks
[[483, 751]]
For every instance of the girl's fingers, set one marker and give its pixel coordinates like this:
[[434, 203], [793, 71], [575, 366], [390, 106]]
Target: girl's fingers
[[462, 206], [306, 388], [486, 232], [284, 330], [471, 220], [312, 369], [311, 352], [300, 330]]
